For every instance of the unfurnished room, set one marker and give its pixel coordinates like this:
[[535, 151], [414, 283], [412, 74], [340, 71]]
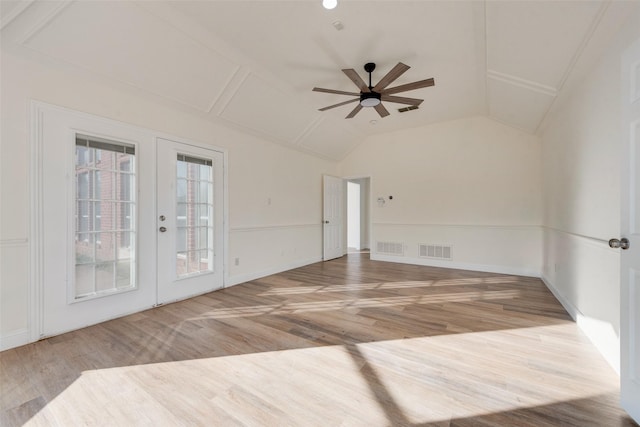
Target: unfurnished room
[[320, 213]]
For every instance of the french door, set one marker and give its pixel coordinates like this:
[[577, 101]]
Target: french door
[[128, 220], [189, 220]]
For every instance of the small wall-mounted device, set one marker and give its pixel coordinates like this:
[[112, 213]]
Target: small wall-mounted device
[[381, 201], [390, 197]]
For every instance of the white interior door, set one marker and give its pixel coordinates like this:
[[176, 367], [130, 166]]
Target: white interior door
[[333, 203], [189, 221], [630, 229]]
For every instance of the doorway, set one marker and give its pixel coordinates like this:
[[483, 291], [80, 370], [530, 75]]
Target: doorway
[[358, 215]]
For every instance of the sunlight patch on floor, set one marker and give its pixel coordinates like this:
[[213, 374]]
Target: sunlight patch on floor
[[388, 285], [314, 386], [481, 373], [420, 380], [340, 304]]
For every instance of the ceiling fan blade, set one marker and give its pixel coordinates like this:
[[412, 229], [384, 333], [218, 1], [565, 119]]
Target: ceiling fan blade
[[354, 111], [410, 86], [355, 78], [402, 100], [395, 72], [338, 92], [339, 105], [381, 110]]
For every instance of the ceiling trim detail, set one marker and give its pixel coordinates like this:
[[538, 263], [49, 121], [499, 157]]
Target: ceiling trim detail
[[228, 87], [576, 57], [496, 61], [42, 23], [585, 41], [9, 17], [232, 91], [482, 52], [523, 83], [313, 125]]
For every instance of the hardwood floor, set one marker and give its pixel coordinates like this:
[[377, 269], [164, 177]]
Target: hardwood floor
[[349, 342]]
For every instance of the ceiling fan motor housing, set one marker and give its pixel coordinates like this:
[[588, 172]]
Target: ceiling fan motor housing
[[369, 99]]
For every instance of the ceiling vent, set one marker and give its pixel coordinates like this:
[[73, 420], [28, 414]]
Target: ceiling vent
[[409, 108]]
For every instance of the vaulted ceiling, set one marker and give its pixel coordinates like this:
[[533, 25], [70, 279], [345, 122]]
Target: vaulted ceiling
[[252, 64]]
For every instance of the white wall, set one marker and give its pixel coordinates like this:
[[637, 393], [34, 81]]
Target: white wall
[[275, 221], [581, 152], [472, 183]]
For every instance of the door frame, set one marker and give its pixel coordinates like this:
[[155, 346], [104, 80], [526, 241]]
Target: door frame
[[629, 347], [36, 280]]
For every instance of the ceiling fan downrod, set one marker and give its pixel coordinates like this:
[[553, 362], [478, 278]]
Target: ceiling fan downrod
[[369, 67], [371, 98]]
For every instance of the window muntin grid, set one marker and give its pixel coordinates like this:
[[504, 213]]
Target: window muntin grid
[[105, 210], [194, 216]]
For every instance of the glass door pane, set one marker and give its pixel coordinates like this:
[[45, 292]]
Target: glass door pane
[[104, 223], [194, 216]]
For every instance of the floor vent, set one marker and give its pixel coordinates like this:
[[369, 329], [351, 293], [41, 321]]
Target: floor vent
[[390, 248], [435, 251]]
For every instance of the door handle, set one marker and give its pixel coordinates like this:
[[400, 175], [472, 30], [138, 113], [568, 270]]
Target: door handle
[[162, 229], [622, 243], [326, 222]]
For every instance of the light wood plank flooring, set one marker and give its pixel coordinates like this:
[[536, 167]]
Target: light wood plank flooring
[[350, 342]]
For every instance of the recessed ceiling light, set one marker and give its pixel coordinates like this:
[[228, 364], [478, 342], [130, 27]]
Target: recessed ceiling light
[[329, 4], [338, 25], [373, 122]]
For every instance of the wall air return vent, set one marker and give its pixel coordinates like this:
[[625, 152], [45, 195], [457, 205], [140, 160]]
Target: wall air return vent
[[435, 251], [409, 108], [390, 248]]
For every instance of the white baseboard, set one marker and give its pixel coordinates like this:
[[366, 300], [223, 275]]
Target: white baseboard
[[571, 309], [15, 339], [500, 269], [601, 334], [242, 278]]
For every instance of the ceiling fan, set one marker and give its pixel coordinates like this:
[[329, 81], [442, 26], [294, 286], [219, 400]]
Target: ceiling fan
[[372, 96]]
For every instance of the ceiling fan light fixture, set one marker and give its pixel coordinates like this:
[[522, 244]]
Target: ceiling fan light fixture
[[370, 99], [329, 4]]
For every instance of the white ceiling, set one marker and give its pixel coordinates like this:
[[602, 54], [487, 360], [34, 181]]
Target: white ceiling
[[252, 64]]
